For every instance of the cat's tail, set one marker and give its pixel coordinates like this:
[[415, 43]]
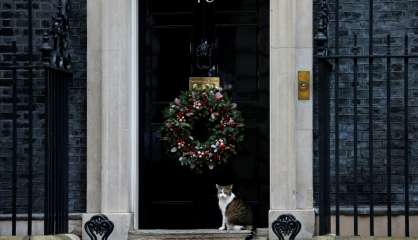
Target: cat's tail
[[253, 232]]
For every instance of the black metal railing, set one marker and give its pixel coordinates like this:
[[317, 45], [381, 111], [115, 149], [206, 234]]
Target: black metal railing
[[56, 147], [330, 89], [26, 99], [56, 171]]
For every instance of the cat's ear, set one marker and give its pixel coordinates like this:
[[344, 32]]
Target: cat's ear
[[217, 186], [231, 186]]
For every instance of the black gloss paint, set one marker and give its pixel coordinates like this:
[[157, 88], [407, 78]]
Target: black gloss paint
[[165, 67]]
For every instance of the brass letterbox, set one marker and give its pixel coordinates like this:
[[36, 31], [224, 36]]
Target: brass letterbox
[[203, 82]]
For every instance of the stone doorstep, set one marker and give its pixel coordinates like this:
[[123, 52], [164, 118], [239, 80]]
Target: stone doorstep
[[57, 237], [210, 234]]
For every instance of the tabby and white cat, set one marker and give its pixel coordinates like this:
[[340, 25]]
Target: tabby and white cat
[[236, 214]]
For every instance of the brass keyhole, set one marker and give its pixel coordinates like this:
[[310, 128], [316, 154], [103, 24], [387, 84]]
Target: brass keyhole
[[303, 86]]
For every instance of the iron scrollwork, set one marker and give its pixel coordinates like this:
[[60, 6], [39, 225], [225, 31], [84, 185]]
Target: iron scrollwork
[[204, 53], [286, 226], [204, 49], [58, 55], [321, 37], [99, 225]]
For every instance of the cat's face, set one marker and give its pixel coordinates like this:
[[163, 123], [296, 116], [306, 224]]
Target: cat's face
[[224, 191]]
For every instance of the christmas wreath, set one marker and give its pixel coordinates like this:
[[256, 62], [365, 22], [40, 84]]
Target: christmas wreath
[[212, 109]]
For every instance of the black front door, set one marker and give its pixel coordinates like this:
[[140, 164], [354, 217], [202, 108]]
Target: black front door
[[170, 195]]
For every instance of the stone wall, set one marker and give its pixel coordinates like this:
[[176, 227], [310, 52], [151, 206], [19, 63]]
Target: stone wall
[[390, 17], [13, 27]]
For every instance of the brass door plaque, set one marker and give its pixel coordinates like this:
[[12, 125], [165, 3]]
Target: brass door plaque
[[304, 85], [203, 82]]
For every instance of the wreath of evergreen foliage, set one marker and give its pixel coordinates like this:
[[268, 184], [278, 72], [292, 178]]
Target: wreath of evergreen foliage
[[221, 120]]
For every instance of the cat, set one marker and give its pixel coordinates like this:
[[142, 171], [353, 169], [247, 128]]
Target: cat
[[236, 214]]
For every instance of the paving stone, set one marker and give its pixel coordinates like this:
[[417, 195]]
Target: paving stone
[[57, 237]]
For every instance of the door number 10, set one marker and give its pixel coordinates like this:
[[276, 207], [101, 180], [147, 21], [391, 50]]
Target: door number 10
[[208, 1]]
